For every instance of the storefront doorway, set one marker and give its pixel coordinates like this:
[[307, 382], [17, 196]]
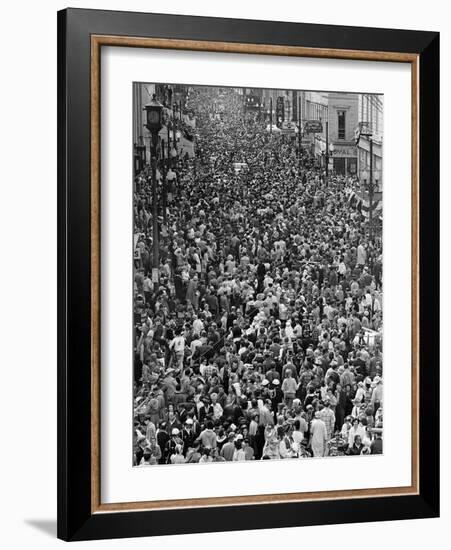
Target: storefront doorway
[[345, 166]]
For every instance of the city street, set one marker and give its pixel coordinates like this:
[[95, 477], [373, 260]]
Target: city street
[[257, 276]]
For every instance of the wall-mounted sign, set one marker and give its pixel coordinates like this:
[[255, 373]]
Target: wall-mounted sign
[[313, 127], [252, 102], [288, 127], [280, 111], [343, 151]]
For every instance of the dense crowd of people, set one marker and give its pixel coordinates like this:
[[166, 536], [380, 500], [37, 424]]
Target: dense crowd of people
[[262, 337]]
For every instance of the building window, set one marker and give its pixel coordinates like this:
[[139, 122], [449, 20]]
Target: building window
[[341, 124]]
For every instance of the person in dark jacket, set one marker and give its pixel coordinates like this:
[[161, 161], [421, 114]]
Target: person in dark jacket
[[357, 447]]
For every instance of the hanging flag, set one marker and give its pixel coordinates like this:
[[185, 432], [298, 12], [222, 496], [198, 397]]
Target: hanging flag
[[365, 203], [353, 199], [377, 208]]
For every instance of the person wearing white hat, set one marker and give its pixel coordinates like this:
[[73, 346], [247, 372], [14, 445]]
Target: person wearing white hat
[[174, 440], [188, 435]]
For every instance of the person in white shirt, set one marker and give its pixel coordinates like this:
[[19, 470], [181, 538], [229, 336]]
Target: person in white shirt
[[197, 342], [239, 455], [300, 427], [356, 429], [198, 325], [217, 409], [361, 255], [347, 425], [177, 345]]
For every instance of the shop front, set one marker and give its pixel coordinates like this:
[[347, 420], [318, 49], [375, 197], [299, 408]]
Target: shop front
[[345, 159]]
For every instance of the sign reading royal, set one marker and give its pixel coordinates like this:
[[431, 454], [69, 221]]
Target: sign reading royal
[[313, 126], [344, 151]]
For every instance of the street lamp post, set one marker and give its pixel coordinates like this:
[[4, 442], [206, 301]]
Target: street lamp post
[[164, 190], [299, 128], [377, 180], [142, 152], [364, 177], [136, 160], [169, 138], [154, 112], [371, 190], [367, 175], [174, 130], [327, 152], [331, 151]]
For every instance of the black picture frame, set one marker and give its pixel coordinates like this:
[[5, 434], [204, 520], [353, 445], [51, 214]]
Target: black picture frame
[[75, 518]]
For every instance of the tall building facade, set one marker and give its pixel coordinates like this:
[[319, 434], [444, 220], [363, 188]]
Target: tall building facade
[[371, 115], [142, 96], [338, 113], [343, 117]]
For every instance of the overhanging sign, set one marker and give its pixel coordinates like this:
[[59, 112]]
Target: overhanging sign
[[313, 127], [288, 127]]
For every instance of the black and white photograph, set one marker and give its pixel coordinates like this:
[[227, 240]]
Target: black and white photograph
[[257, 273], [234, 217]]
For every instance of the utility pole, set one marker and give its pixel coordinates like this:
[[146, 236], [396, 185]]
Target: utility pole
[[327, 150]]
